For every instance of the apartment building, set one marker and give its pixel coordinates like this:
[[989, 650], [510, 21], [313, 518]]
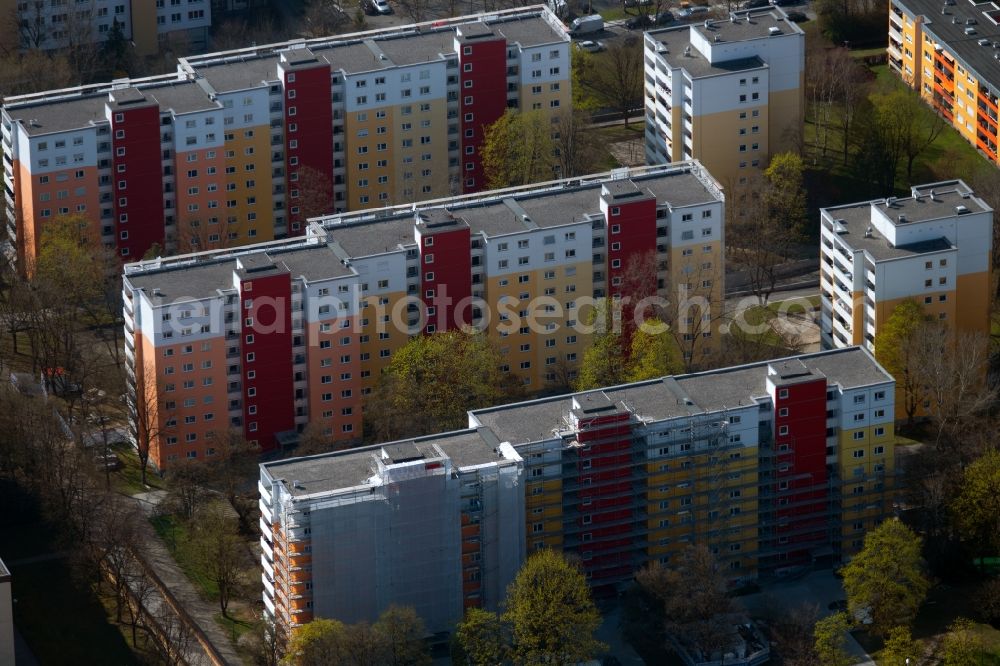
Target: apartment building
[[56, 24], [934, 246], [950, 54], [435, 523], [728, 93], [211, 156], [772, 465], [271, 337]]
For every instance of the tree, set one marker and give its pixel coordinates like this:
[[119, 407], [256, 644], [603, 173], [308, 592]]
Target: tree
[[577, 147], [401, 631], [765, 221], [551, 614], [433, 381], [988, 602], [518, 149], [481, 638], [324, 17], [262, 643], [317, 643], [962, 645], [604, 362], [976, 509], [885, 582], [792, 636], [653, 353], [900, 648], [616, 78], [693, 592], [220, 551], [895, 351], [831, 640]]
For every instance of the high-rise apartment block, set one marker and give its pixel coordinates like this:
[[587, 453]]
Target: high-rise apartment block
[[934, 247], [271, 337], [56, 24], [949, 53], [772, 465], [728, 93], [240, 147]]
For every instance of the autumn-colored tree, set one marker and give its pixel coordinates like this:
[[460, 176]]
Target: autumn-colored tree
[[962, 645], [481, 639], [885, 581]]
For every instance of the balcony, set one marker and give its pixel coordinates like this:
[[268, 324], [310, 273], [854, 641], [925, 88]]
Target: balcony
[[265, 511]]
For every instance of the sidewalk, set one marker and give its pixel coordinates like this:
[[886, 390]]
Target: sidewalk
[[158, 557]]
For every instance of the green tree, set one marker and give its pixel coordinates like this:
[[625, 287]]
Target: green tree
[[885, 582], [785, 192], [518, 149], [401, 631], [830, 634], [481, 638], [900, 648], [962, 646], [551, 614], [976, 509], [317, 643], [896, 350], [603, 363], [653, 353], [433, 381]]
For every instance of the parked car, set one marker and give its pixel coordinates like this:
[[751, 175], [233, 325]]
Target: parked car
[[590, 46], [645, 21], [797, 17], [691, 12], [586, 25], [382, 6]]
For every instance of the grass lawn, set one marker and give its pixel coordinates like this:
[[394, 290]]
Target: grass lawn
[[175, 534], [128, 479]]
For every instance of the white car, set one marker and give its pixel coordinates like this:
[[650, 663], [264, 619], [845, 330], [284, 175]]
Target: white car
[[382, 6], [590, 46]]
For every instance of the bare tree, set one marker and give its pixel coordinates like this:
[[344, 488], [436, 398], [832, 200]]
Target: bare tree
[[576, 145], [324, 17], [32, 24], [146, 421], [617, 79], [221, 551]]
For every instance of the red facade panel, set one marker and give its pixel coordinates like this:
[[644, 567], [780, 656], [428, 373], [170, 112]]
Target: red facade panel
[[308, 141], [482, 101], [631, 256], [606, 510], [137, 180], [268, 387], [800, 465], [446, 280]]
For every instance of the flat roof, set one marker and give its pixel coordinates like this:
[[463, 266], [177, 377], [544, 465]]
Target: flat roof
[[858, 231], [683, 395], [949, 28], [242, 69], [354, 467], [677, 50]]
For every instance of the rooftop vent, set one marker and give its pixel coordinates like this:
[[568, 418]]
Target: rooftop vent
[[687, 51], [984, 42], [901, 219], [890, 201], [970, 30], [718, 39], [868, 232], [961, 210], [970, 21], [931, 195], [774, 30]]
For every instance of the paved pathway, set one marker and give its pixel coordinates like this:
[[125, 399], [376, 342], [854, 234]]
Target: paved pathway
[[158, 557]]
